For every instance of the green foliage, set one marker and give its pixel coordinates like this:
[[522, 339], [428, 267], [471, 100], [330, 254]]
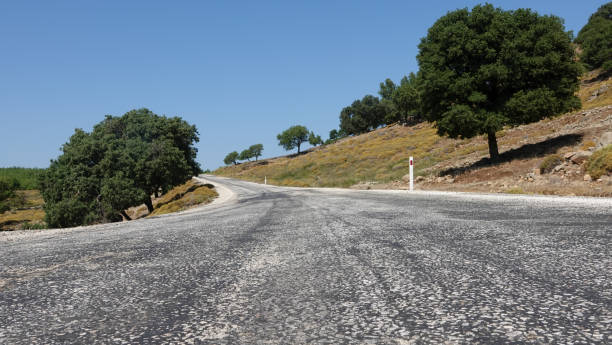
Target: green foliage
[[403, 101], [549, 163], [27, 177], [120, 164], [484, 69], [8, 186], [363, 115], [314, 139], [7, 190], [293, 137], [33, 226], [231, 158], [595, 39], [600, 163], [333, 134], [256, 150], [245, 155]]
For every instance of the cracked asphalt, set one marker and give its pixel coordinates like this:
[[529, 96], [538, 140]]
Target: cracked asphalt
[[277, 265]]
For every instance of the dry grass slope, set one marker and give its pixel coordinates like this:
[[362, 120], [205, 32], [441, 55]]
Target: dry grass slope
[[26, 208], [190, 194], [380, 158]]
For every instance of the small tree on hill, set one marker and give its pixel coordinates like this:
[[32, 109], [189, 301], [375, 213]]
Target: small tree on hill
[[314, 139], [595, 39], [231, 158], [293, 137], [404, 100], [484, 69], [363, 115], [256, 150], [245, 155]]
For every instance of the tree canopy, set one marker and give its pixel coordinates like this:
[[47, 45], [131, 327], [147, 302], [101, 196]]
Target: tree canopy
[[403, 100], [314, 139], [293, 137], [245, 155], [483, 69], [231, 158], [121, 163], [256, 150], [363, 115], [595, 39]]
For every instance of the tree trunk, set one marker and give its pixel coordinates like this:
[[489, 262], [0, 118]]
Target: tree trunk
[[493, 150], [298, 149], [149, 204], [125, 215]]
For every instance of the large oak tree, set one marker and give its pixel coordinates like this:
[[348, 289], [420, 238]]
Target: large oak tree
[[123, 162], [483, 69]]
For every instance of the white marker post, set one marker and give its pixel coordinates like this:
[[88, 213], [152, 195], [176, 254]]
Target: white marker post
[[265, 179], [411, 165]]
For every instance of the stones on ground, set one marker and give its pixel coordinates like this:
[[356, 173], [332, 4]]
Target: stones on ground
[[587, 177], [604, 140], [600, 91], [580, 156]]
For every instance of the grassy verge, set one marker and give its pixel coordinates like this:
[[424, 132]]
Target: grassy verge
[[185, 196]]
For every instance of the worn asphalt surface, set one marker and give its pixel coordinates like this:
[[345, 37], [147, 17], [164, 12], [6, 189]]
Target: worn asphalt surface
[[274, 265]]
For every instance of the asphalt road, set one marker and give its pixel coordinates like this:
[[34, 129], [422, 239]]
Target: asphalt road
[[289, 266]]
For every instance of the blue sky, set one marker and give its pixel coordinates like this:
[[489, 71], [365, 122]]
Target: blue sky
[[241, 71]]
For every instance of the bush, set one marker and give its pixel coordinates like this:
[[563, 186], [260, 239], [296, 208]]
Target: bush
[[600, 163], [33, 226], [4, 207], [7, 188], [550, 163], [66, 213]]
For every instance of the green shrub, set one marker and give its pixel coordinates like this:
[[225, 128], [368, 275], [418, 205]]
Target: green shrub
[[549, 163], [600, 163], [66, 213], [7, 190], [4, 207], [33, 226]]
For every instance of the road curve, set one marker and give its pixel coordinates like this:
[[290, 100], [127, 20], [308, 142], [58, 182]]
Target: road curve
[[277, 265]]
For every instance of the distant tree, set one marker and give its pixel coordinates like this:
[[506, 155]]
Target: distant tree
[[293, 137], [403, 100], [333, 134], [256, 150], [484, 69], [363, 115], [231, 158], [595, 39], [7, 190], [314, 139], [121, 163], [245, 155]]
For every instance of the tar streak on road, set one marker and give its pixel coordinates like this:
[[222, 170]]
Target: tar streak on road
[[283, 265]]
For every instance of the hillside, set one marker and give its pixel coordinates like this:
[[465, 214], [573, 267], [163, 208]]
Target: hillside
[[379, 159]]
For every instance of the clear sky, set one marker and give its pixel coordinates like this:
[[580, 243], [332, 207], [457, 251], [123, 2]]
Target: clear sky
[[241, 71]]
